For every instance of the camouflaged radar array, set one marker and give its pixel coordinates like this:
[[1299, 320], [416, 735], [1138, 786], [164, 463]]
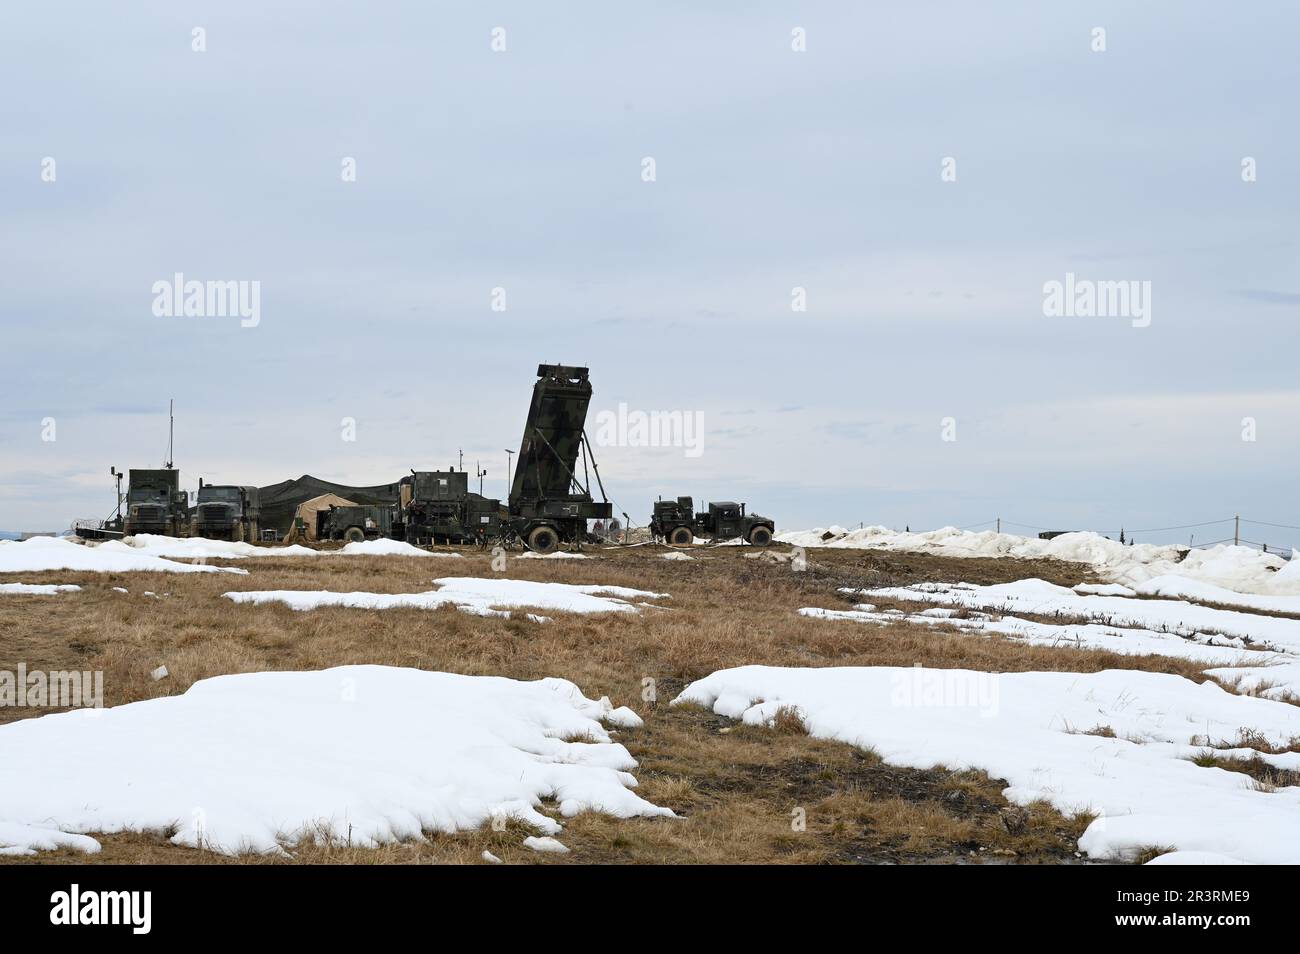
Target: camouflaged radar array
[[550, 497]]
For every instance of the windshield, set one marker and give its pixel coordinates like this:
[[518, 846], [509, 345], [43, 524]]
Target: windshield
[[208, 494]]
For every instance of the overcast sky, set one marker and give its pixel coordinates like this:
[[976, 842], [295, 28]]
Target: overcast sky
[[774, 169]]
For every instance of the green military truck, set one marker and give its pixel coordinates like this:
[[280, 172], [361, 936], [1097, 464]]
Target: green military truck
[[226, 512], [155, 503], [676, 523]]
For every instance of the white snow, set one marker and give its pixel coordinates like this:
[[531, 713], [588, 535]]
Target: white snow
[[201, 548], [1038, 597], [37, 589], [363, 754], [557, 555], [382, 548], [1030, 729], [677, 555], [1179, 587], [546, 844], [481, 597], [1235, 567], [1211, 650], [113, 556]]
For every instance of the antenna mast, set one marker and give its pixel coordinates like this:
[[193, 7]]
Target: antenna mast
[[171, 431]]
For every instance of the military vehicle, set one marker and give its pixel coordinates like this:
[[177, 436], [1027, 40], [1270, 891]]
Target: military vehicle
[[226, 512], [155, 503], [549, 505], [441, 508], [365, 522], [676, 522]]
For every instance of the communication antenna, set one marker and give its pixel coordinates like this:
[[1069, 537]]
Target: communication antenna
[[117, 475], [171, 432]]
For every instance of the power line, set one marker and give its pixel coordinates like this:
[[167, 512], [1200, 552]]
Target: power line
[[1280, 526]]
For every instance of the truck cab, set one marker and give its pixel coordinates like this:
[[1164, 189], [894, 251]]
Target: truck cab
[[226, 512], [677, 523], [155, 503]]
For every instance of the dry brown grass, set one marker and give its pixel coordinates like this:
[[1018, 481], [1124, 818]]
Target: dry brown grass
[[737, 789]]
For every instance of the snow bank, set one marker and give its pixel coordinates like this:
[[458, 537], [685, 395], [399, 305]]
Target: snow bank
[[1238, 568], [1027, 728], [1200, 592], [1210, 650], [37, 589], [59, 553], [200, 548], [1038, 597], [481, 597], [366, 754], [382, 548]]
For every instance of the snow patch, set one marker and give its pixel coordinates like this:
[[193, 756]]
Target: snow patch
[[1235, 567], [113, 556], [481, 597], [1032, 730], [37, 589], [366, 754]]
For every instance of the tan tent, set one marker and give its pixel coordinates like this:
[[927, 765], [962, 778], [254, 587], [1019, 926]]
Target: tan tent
[[306, 513]]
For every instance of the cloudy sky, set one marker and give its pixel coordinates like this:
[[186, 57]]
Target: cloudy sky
[[774, 169]]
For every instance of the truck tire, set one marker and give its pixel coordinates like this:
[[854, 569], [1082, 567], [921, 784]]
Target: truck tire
[[681, 537], [354, 535], [543, 540], [760, 536]]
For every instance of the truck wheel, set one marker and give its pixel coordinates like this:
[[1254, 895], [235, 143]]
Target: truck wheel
[[543, 540], [354, 534], [681, 537], [760, 536]]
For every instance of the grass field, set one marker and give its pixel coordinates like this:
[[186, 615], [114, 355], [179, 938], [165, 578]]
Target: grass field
[[737, 788]]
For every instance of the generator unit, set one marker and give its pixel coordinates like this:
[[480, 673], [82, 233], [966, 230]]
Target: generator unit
[[441, 509], [353, 524]]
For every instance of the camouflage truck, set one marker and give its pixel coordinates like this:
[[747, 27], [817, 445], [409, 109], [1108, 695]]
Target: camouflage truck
[[677, 523], [353, 524], [549, 504], [226, 512], [155, 503], [442, 509]]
